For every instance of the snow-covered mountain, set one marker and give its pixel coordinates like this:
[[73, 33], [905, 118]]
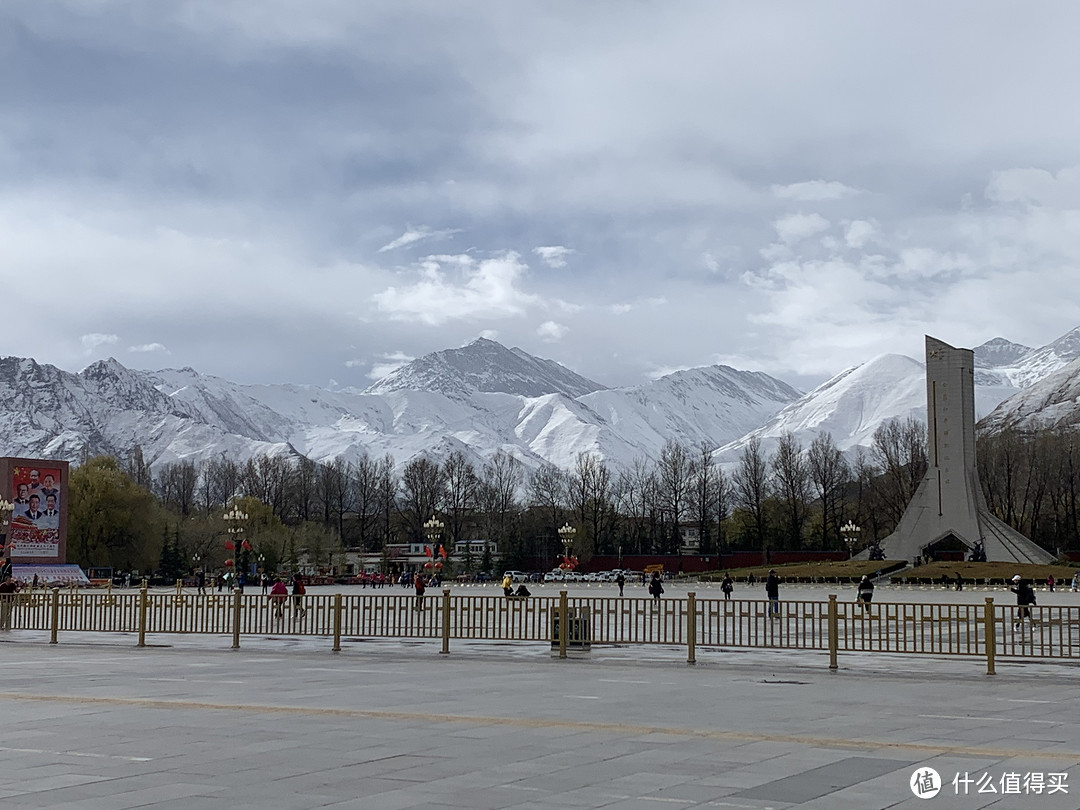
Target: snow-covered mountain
[[999, 362], [1050, 402], [477, 399], [850, 407], [999, 352], [486, 366], [484, 397]]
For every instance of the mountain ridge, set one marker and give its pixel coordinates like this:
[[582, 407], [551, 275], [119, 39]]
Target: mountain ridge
[[438, 403]]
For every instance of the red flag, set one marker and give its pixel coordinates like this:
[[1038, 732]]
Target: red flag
[[230, 545], [427, 551], [442, 552], [245, 545]]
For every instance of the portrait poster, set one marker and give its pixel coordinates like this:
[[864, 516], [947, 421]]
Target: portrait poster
[[35, 519]]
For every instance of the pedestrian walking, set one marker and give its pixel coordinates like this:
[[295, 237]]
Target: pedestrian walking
[[959, 581], [865, 593], [1050, 583], [727, 586], [772, 590], [656, 587], [421, 586], [279, 594], [298, 591], [1025, 598], [200, 576], [8, 588], [620, 580], [1076, 581]]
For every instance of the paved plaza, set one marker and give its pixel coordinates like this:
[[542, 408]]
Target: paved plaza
[[94, 722]]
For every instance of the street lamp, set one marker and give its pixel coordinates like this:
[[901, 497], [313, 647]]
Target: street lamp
[[433, 529], [566, 535], [235, 520], [6, 508], [850, 533]]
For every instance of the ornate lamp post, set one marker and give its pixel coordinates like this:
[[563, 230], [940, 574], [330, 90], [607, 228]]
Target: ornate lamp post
[[433, 529], [850, 533], [6, 508], [566, 535], [235, 520]]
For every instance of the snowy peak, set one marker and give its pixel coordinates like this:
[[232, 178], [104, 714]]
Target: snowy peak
[[850, 406], [1043, 362], [1051, 402], [485, 366], [998, 352]]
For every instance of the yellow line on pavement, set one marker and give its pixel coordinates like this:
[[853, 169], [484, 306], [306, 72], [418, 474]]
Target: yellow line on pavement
[[557, 723]]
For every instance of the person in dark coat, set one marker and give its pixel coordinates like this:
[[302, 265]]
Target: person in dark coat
[[727, 586], [772, 590], [656, 587], [1025, 597], [866, 592]]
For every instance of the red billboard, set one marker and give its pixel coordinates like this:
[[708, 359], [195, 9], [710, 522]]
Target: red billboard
[[35, 521]]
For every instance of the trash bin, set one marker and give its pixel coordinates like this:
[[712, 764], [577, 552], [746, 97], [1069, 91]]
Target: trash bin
[[579, 637]]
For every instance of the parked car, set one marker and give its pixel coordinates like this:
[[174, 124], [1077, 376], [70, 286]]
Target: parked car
[[516, 576], [554, 576]]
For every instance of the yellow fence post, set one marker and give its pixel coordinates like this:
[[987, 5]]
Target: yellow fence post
[[55, 615], [991, 635], [445, 621], [337, 622], [142, 616], [236, 620], [691, 627], [834, 631], [564, 622]]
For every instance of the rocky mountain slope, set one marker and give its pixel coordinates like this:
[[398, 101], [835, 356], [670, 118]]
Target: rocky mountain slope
[[485, 397]]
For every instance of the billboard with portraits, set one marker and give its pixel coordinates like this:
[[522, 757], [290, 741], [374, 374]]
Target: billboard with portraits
[[38, 494]]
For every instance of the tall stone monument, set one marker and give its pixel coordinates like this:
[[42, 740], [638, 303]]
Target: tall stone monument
[[949, 512]]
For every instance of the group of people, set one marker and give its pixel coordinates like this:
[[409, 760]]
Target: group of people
[[279, 596]]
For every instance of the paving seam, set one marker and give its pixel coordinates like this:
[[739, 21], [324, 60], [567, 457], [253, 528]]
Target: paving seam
[[535, 722]]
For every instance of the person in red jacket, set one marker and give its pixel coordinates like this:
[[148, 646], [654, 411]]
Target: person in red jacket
[[278, 596]]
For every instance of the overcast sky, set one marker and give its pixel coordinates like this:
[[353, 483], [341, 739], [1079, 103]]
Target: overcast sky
[[315, 191]]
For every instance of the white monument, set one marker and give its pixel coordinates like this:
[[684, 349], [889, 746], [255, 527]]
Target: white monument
[[949, 509]]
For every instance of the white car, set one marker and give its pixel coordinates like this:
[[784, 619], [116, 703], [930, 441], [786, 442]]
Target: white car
[[516, 576], [554, 576]]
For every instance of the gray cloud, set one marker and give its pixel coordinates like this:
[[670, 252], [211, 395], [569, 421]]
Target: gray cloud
[[235, 179]]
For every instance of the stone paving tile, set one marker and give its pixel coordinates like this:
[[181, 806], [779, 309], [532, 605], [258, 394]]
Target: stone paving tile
[[304, 742]]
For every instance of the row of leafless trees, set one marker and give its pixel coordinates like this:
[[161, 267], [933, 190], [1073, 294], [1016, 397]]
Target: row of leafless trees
[[1032, 482], [793, 497]]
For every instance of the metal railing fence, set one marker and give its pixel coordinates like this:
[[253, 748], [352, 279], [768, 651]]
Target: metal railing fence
[[987, 630]]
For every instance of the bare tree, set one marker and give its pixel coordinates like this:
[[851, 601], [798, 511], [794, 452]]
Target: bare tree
[[706, 492], [791, 481], [423, 492], [674, 473], [635, 494], [461, 495], [548, 493], [899, 450], [500, 481], [751, 491], [829, 472], [590, 494]]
